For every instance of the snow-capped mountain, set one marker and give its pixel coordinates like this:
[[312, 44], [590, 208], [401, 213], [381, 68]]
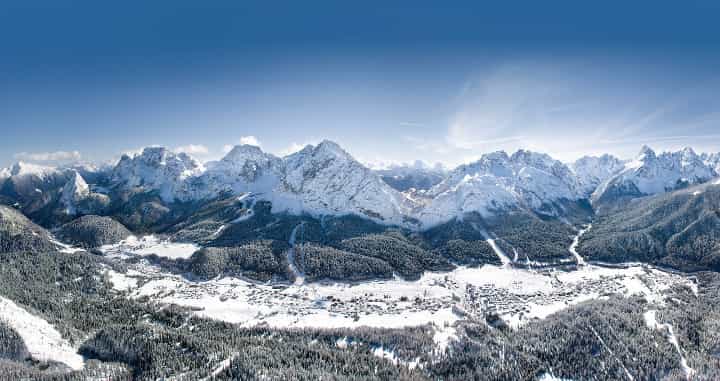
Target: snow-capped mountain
[[245, 168], [325, 178], [498, 181], [157, 168], [591, 171], [28, 181], [650, 173]]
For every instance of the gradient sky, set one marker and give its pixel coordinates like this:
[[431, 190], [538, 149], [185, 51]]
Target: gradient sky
[[437, 81]]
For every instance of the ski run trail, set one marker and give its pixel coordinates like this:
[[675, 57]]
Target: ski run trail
[[42, 340], [299, 277], [504, 259]]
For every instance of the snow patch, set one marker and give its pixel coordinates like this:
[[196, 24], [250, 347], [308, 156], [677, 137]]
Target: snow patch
[[148, 245], [42, 340]]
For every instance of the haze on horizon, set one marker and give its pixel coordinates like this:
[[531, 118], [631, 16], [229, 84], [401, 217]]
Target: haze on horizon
[[388, 83]]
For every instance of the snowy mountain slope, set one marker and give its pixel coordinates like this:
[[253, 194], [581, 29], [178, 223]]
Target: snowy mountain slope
[[26, 179], [245, 168], [650, 173], [591, 171], [326, 179], [498, 181]]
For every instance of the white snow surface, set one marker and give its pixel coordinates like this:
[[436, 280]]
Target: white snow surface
[[440, 299], [550, 377], [592, 171], [148, 245], [42, 340]]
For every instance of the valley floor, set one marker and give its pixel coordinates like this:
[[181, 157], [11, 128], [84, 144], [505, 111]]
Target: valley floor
[[517, 296]]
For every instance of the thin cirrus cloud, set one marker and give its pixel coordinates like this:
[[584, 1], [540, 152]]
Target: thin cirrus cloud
[[244, 140], [57, 156], [569, 112]]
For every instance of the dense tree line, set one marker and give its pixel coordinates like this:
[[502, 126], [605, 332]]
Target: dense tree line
[[93, 231], [407, 259], [259, 260], [679, 229], [471, 253], [540, 240], [12, 346], [324, 262], [18, 233]]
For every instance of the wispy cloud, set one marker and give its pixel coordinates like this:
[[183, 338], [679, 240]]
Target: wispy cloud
[[565, 110], [250, 140], [57, 156], [193, 149], [244, 140]]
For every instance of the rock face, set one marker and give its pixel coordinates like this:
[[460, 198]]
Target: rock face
[[74, 192], [651, 174], [76, 197], [93, 231], [18, 233]]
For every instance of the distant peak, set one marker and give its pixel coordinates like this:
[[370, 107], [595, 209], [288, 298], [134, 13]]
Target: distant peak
[[688, 152], [23, 168], [243, 150], [646, 153], [329, 146]]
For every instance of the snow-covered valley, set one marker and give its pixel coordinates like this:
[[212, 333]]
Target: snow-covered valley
[[518, 296]]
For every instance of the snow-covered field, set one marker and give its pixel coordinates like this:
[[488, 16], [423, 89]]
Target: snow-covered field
[[42, 340], [148, 245], [516, 295]]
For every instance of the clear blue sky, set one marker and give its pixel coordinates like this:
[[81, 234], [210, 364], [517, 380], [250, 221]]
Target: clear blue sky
[[438, 81]]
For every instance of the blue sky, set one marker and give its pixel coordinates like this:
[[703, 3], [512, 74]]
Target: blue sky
[[391, 83]]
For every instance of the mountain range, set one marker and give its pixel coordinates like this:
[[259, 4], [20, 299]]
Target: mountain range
[[514, 266], [326, 180]]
